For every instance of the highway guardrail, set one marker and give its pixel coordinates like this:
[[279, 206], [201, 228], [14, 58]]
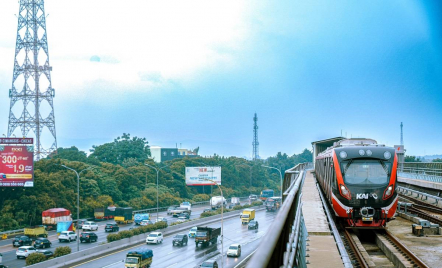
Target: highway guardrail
[[285, 245]]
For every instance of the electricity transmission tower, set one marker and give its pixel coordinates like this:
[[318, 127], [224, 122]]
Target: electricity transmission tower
[[32, 94], [255, 138]]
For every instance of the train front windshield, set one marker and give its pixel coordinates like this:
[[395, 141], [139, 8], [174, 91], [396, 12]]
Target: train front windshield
[[373, 172]]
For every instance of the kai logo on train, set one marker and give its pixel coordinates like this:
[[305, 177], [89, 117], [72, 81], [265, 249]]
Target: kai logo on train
[[366, 196]]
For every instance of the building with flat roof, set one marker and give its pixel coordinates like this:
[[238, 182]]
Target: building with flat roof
[[160, 154]]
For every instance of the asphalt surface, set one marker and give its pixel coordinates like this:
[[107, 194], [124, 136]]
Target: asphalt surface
[[167, 256], [10, 258]]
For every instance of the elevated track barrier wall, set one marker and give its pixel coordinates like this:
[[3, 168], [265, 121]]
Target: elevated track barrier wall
[[285, 243]]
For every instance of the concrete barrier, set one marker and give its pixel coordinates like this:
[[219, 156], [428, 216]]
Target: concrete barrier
[[129, 242]]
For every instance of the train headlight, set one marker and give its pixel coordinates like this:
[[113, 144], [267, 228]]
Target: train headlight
[[387, 155], [345, 192], [361, 152], [388, 192], [369, 153], [343, 154]]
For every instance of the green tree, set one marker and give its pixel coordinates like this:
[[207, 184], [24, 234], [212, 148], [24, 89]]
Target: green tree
[[437, 160], [71, 154], [412, 158], [122, 148]]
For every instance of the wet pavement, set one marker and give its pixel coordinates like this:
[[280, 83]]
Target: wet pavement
[[10, 259], [167, 256]]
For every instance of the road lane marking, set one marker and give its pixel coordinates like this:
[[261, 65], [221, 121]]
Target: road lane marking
[[111, 264], [169, 265]]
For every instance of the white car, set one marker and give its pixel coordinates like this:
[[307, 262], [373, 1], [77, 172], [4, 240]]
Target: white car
[[182, 219], [154, 238], [67, 236], [25, 251], [192, 232], [90, 226], [145, 222], [160, 219], [234, 250]]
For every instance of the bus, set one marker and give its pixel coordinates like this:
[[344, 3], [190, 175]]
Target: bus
[[266, 194]]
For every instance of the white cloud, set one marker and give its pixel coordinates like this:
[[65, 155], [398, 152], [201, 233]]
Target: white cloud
[[138, 39], [172, 39]]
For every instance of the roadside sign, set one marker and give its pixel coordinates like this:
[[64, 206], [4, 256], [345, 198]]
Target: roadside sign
[[16, 166]]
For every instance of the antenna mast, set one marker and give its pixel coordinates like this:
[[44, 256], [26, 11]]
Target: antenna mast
[[402, 134], [255, 138]]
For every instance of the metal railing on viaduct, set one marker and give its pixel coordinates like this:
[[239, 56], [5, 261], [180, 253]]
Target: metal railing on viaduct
[[284, 245], [431, 171]]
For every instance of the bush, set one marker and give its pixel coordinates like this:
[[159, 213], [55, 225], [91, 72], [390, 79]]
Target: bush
[[208, 214], [200, 198], [257, 203], [60, 251], [136, 231], [161, 225], [126, 234], [35, 258], [113, 237]]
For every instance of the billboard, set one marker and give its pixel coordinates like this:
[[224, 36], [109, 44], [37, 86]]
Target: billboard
[[196, 176], [16, 166]]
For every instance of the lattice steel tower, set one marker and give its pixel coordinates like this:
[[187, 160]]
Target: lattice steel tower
[[31, 82], [255, 138], [402, 134]]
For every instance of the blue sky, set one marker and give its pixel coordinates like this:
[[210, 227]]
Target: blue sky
[[195, 73]]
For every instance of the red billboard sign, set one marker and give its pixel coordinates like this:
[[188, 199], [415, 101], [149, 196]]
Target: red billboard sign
[[16, 166]]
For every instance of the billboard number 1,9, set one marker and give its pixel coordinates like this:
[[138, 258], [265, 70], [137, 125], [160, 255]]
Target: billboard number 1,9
[[12, 160]]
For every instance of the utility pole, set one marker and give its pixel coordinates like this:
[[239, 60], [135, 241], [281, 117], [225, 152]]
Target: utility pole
[[255, 138], [31, 81]]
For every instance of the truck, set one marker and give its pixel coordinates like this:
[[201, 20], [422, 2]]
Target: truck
[[37, 231], [104, 213], [54, 215], [206, 235], [217, 201], [266, 194], [124, 215], [138, 217], [139, 258], [247, 215], [235, 201], [273, 203], [65, 226]]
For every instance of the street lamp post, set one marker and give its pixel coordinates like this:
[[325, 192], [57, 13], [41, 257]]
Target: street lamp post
[[280, 175], [158, 171], [222, 211], [78, 201], [222, 221]]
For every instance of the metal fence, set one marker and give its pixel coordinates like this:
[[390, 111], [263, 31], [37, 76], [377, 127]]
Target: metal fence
[[421, 171], [285, 243]]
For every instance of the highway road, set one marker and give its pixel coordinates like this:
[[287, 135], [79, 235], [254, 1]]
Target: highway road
[[168, 256], [10, 259]]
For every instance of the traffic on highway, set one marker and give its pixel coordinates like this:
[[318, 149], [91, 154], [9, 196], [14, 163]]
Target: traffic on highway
[[95, 233]]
